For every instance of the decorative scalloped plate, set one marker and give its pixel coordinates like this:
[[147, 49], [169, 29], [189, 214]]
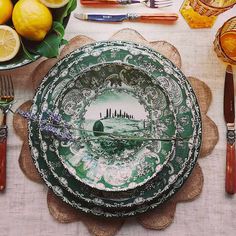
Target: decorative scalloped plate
[[176, 73], [114, 150], [161, 217], [122, 200]]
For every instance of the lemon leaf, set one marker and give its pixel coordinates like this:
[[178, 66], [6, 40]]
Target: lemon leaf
[[26, 52], [59, 29], [49, 47], [64, 42], [61, 13]]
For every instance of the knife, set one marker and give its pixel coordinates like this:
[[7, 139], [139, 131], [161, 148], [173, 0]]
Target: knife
[[229, 119], [153, 17]]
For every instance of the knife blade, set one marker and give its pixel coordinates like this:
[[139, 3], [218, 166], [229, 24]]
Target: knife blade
[[229, 115], [153, 17]]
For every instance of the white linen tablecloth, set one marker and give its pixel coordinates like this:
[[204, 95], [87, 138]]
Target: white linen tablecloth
[[23, 207]]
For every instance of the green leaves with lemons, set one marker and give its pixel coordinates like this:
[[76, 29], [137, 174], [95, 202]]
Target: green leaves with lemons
[[51, 44]]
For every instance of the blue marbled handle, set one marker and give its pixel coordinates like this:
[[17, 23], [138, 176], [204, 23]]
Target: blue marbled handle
[[126, 2], [106, 17]]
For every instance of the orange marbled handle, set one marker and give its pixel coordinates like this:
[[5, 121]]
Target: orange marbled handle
[[158, 17], [3, 160], [230, 169], [99, 3]]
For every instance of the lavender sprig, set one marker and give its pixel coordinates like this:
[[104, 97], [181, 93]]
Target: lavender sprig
[[27, 115], [62, 134], [57, 119], [53, 124]]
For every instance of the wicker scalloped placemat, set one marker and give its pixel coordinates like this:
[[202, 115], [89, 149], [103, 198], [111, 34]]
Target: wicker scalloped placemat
[[162, 216]]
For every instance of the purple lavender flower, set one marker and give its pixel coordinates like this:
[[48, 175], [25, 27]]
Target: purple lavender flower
[[50, 123], [57, 118], [27, 115], [59, 132], [66, 135]]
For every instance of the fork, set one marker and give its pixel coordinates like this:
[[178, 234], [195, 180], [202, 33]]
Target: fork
[[148, 3], [6, 99]]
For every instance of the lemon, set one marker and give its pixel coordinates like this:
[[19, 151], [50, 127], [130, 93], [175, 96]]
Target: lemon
[[31, 19], [9, 43], [54, 3], [6, 8]]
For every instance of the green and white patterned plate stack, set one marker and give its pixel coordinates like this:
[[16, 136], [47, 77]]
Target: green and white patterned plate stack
[[135, 129]]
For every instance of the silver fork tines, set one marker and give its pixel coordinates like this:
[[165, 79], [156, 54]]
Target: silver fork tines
[[6, 86], [6, 91], [158, 3], [148, 3]]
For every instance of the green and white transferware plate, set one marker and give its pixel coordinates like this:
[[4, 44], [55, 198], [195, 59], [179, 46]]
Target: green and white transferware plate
[[153, 190], [57, 90], [123, 124]]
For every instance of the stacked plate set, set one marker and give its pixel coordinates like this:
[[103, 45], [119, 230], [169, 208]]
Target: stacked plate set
[[118, 129]]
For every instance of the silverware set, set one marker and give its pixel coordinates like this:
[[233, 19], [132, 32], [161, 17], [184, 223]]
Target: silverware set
[[147, 3], [153, 17], [6, 99]]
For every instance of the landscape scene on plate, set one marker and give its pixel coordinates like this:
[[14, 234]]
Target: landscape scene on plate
[[119, 116]]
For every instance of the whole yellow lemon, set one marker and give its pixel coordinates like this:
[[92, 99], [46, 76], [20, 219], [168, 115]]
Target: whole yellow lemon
[[31, 19], [6, 8]]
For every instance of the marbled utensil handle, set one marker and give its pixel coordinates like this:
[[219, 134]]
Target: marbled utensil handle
[[99, 3], [158, 17], [3, 153], [107, 3], [230, 169]]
